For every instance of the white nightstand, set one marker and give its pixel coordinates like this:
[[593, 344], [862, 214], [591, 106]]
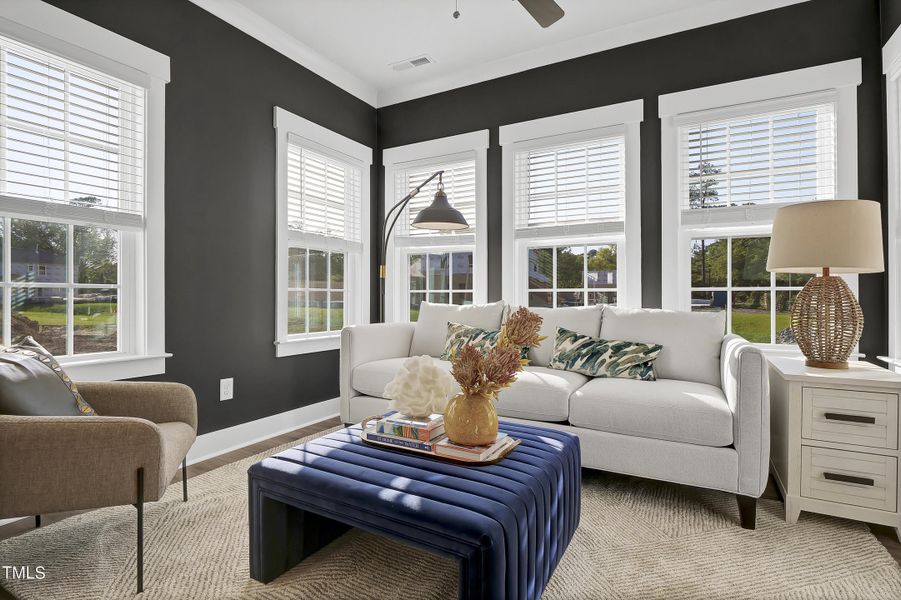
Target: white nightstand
[[834, 440]]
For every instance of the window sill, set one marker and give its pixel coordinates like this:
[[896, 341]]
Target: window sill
[[114, 366], [319, 343]]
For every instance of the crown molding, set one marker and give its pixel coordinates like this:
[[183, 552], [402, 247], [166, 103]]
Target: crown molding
[[265, 31]]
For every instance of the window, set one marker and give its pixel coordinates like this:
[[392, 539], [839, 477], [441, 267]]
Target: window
[[730, 274], [444, 277], [315, 291], [445, 266], [769, 144], [321, 255], [572, 208], [81, 194], [572, 275]]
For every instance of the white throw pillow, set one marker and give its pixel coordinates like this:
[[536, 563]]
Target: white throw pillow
[[691, 341], [581, 319], [431, 328]]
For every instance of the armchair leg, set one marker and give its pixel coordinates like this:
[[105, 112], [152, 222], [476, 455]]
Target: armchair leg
[[37, 521], [184, 479], [140, 507], [747, 510]]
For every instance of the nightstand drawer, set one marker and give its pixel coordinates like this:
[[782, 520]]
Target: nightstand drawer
[[850, 417], [854, 478]]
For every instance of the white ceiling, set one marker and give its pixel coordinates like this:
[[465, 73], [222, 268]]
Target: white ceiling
[[353, 42]]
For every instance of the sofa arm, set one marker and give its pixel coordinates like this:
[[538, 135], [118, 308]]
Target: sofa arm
[[157, 402], [55, 464], [746, 384], [365, 343]]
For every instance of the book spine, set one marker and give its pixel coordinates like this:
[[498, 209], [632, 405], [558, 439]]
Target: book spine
[[404, 430], [403, 443]]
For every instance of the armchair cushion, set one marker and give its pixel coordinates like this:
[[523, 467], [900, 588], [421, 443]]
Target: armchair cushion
[[33, 384]]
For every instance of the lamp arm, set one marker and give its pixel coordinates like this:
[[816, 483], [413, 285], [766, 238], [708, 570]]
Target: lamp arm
[[399, 207]]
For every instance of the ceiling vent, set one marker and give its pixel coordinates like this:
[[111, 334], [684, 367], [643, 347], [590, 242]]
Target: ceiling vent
[[410, 63]]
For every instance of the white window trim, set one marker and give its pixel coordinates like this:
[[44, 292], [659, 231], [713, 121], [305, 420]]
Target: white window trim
[[286, 123], [842, 78], [44, 26], [891, 67], [624, 118], [446, 149]]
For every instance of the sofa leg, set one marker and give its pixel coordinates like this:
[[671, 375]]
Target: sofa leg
[[37, 521], [140, 506], [747, 510], [184, 479]]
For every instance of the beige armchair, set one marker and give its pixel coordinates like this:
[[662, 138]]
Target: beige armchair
[[129, 454]]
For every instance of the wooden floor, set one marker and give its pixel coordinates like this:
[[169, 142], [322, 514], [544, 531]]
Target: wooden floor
[[884, 534]]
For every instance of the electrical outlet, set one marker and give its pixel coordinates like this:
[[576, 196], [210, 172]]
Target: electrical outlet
[[226, 389]]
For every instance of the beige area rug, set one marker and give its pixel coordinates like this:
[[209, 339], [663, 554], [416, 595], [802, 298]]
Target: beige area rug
[[637, 539]]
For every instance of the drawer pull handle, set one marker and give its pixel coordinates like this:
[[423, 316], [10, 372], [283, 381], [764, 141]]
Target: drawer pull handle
[[849, 479], [850, 418]]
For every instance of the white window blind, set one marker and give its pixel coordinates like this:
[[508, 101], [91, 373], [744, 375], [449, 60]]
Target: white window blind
[[771, 158], [573, 186], [71, 140], [459, 185], [324, 197]]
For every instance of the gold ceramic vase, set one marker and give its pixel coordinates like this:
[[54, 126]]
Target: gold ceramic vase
[[471, 420]]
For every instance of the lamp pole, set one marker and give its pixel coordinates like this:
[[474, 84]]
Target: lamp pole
[[388, 229]]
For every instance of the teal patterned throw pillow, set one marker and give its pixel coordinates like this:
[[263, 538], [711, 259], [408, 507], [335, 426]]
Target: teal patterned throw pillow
[[459, 335], [603, 358]]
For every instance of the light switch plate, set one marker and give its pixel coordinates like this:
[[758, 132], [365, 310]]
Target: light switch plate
[[226, 389]]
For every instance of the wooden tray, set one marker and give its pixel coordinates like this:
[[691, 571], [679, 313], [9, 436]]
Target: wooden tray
[[450, 459]]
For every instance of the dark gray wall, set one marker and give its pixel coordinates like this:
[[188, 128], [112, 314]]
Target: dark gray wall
[[220, 202], [890, 17], [801, 35]]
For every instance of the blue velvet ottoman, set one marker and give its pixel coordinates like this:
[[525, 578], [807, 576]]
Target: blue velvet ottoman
[[507, 524]]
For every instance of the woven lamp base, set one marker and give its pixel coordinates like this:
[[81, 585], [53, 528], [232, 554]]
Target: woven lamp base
[[827, 322]]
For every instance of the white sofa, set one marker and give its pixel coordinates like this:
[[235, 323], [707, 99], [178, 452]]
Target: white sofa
[[704, 422]]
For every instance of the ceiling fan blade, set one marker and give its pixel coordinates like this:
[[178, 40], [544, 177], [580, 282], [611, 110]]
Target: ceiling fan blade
[[546, 12]]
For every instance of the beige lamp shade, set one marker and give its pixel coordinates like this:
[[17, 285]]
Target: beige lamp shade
[[843, 235]]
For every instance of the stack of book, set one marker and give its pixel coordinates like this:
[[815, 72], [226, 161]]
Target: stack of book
[[426, 436]]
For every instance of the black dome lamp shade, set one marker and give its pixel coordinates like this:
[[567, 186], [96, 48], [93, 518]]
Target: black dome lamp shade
[[438, 216]]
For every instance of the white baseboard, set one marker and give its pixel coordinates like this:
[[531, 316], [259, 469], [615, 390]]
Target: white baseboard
[[225, 440], [13, 520]]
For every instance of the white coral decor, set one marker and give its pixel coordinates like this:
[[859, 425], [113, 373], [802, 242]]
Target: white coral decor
[[420, 388]]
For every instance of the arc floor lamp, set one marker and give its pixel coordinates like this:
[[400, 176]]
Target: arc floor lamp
[[438, 216]]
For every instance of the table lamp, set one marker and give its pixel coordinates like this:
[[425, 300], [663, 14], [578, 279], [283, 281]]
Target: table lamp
[[827, 238]]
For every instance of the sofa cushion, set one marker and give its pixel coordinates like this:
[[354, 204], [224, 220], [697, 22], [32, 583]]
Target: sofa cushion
[[540, 394], [372, 377], [666, 409], [691, 341], [431, 328], [585, 320]]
